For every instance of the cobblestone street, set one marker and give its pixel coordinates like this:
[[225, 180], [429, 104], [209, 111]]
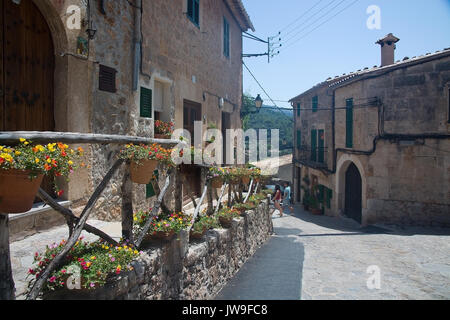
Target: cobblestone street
[[414, 262]]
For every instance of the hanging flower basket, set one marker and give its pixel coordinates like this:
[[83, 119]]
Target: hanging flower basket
[[246, 180], [217, 182], [225, 222], [162, 235], [142, 172], [197, 235], [162, 136], [18, 190]]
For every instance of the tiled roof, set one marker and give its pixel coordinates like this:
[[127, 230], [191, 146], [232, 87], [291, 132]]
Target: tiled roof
[[238, 6], [360, 74]]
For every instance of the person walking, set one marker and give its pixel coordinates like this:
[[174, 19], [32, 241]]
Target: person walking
[[287, 199], [277, 196]]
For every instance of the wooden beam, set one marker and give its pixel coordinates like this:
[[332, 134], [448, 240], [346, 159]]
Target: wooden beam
[[127, 206], [59, 259], [6, 277], [197, 209], [249, 191], [219, 201], [74, 137], [68, 214], [153, 213]]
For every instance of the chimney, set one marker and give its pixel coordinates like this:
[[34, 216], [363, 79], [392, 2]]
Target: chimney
[[388, 49]]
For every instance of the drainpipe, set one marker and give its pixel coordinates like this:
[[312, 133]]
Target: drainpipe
[[137, 43]]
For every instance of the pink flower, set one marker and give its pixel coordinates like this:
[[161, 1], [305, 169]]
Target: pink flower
[[113, 259], [52, 279], [92, 285]]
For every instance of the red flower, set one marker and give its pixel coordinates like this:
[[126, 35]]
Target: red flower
[[60, 193]]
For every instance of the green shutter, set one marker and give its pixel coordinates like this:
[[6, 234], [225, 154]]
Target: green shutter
[[349, 124], [329, 197], [315, 103], [321, 194], [146, 103], [298, 109], [321, 147], [299, 139], [314, 145], [226, 38], [149, 190]]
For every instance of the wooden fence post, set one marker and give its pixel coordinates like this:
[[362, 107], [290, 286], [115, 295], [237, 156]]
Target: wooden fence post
[[7, 290]]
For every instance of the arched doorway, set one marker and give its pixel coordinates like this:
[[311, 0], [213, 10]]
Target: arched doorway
[[27, 64], [353, 193]]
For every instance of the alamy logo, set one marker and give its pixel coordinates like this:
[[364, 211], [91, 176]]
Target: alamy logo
[[374, 280], [74, 280], [74, 20], [374, 20]]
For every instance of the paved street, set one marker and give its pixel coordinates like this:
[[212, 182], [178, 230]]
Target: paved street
[[317, 257]]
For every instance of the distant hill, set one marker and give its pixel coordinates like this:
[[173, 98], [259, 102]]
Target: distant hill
[[270, 118]]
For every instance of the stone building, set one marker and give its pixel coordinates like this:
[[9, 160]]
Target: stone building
[[375, 142], [144, 60]]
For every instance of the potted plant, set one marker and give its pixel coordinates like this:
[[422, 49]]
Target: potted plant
[[96, 263], [203, 224], [217, 176], [226, 216], [144, 159], [22, 168], [163, 130], [162, 227]]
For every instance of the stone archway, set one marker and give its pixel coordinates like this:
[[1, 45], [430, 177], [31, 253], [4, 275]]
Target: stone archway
[[351, 165]]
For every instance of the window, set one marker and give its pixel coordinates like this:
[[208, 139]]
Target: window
[[146, 103], [226, 38], [107, 79], [298, 109], [149, 190], [314, 145], [349, 124], [299, 139], [318, 146], [193, 9], [315, 104]]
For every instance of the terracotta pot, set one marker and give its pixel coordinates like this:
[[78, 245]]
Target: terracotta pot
[[224, 222], [217, 182], [234, 181], [245, 180], [17, 190], [197, 236], [161, 235], [142, 173], [162, 136]]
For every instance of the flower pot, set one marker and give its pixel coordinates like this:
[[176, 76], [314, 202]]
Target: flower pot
[[160, 235], [197, 236], [142, 172], [246, 180], [162, 136], [225, 222], [316, 212], [234, 181], [217, 182], [17, 190]]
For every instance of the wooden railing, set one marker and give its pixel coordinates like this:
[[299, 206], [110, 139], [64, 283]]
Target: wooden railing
[[77, 225]]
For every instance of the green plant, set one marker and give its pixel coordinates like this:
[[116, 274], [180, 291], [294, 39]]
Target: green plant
[[205, 223], [228, 213], [96, 261], [164, 223], [137, 153], [165, 128]]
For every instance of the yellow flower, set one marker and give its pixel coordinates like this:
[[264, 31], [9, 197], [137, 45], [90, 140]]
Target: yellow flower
[[49, 160], [22, 140], [18, 153], [26, 143], [37, 160], [70, 162], [1, 148], [136, 252]]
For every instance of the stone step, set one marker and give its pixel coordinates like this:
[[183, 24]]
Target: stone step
[[38, 219]]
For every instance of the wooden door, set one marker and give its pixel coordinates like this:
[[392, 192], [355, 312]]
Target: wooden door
[[27, 65], [192, 112], [353, 193], [27, 69]]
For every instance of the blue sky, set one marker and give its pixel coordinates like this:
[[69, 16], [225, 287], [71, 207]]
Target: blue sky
[[342, 45]]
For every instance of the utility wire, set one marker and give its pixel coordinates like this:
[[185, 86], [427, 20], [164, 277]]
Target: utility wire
[[309, 18], [259, 84], [304, 36], [312, 23], [304, 14]]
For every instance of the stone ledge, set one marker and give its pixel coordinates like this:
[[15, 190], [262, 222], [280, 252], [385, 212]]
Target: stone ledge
[[179, 270], [38, 219]]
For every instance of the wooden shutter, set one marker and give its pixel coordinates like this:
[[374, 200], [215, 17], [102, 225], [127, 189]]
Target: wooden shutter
[[321, 147], [149, 190], [146, 103], [226, 38], [315, 103], [299, 139], [314, 145], [107, 79], [298, 109], [349, 124]]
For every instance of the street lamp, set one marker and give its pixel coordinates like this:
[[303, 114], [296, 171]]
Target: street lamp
[[258, 105]]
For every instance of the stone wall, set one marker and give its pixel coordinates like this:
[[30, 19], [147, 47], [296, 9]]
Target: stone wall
[[180, 270]]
